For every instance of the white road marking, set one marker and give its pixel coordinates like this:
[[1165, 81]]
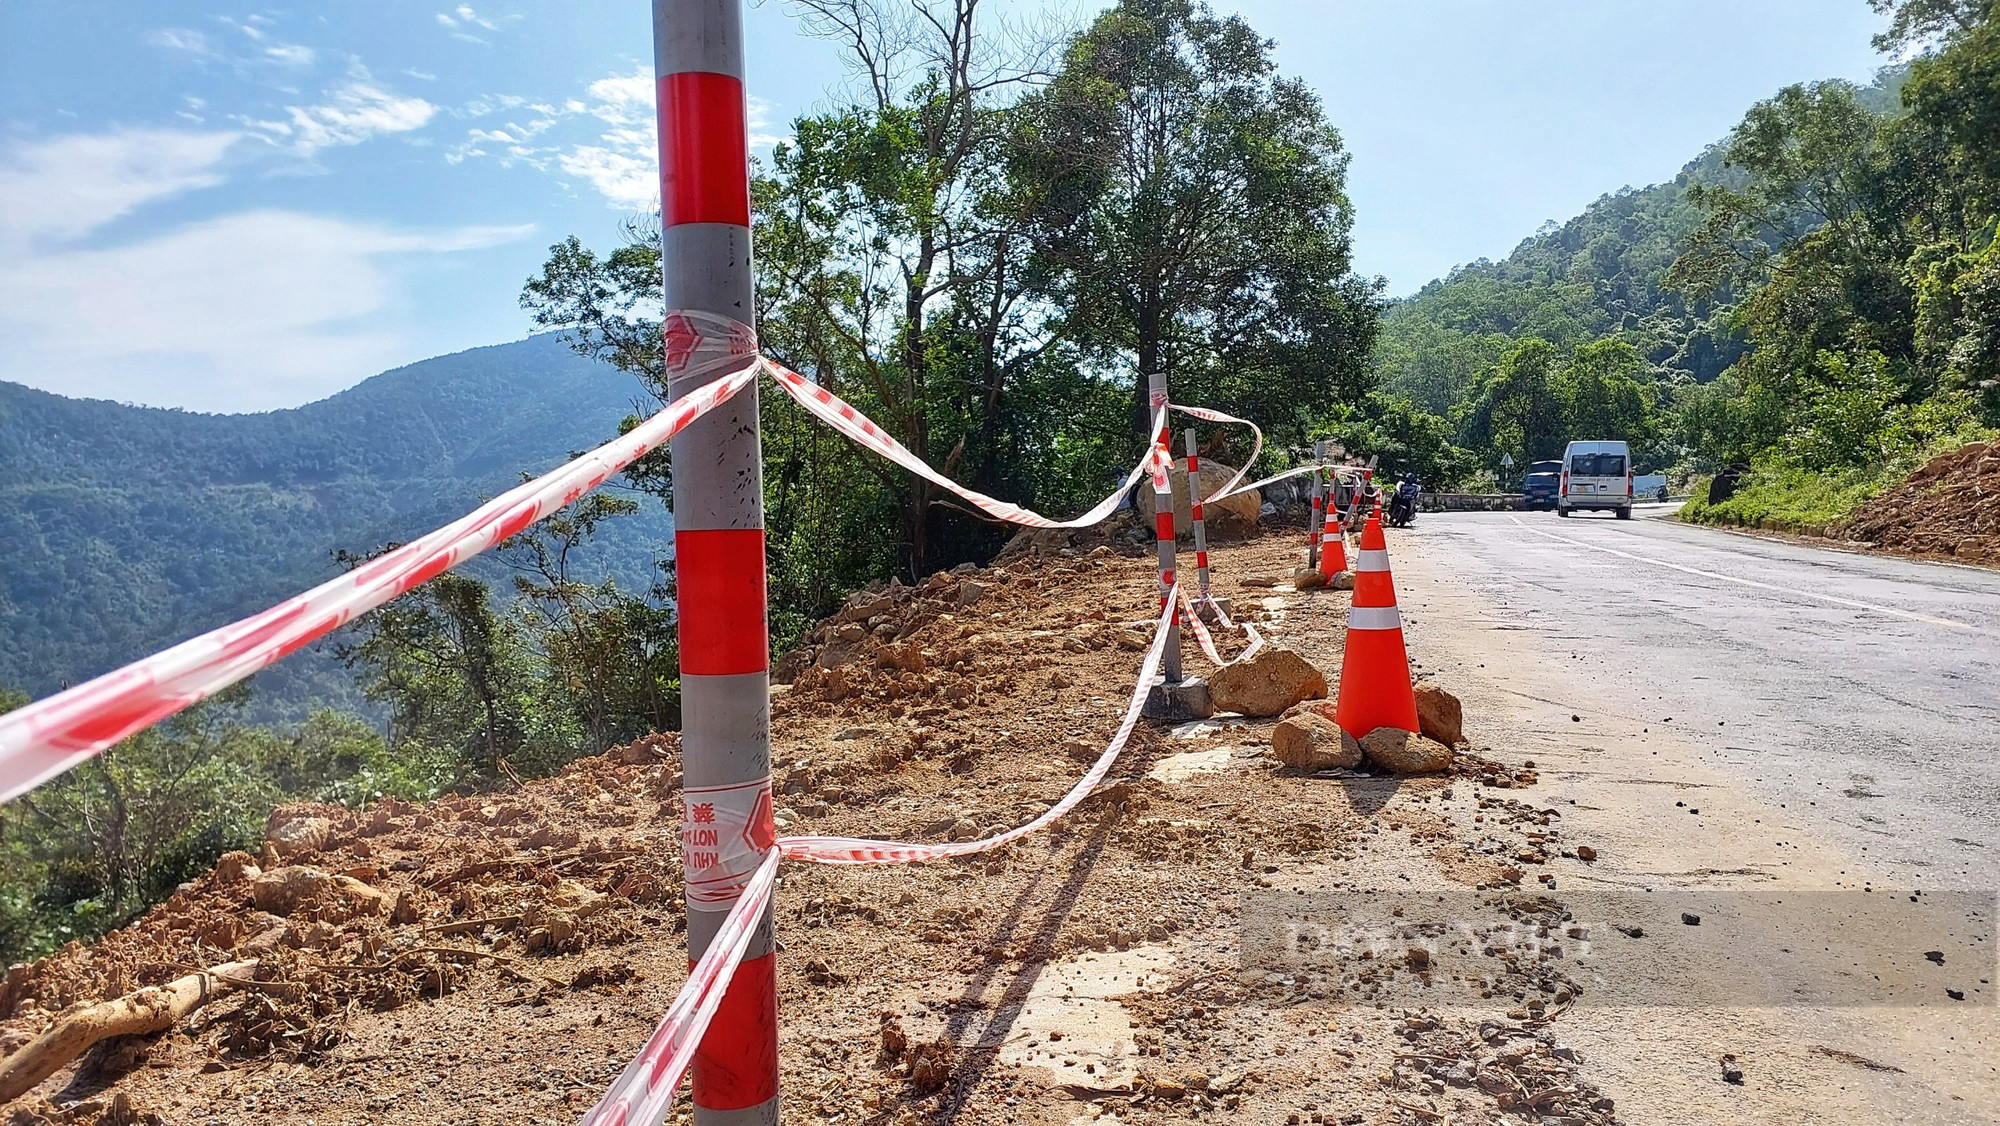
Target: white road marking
[[1828, 598]]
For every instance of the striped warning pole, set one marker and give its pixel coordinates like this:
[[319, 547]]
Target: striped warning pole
[[718, 501], [1319, 500], [1194, 510], [1163, 528]]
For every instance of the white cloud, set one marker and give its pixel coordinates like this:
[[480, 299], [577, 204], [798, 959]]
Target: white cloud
[[462, 19], [66, 187], [353, 112], [290, 54], [183, 41], [626, 181], [247, 311]]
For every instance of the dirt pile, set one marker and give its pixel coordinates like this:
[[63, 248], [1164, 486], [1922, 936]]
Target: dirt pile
[[1949, 508], [500, 957]]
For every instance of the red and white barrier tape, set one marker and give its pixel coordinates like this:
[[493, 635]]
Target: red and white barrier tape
[[857, 850], [45, 738], [644, 1091], [842, 416], [1295, 471], [1256, 448], [1207, 642]]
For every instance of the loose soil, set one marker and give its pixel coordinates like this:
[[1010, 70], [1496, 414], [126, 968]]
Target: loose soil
[[1948, 509], [1210, 936]]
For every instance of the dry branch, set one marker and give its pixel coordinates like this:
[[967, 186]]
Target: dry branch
[[152, 1009]]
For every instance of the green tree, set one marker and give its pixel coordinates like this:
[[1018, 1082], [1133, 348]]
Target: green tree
[[1609, 394], [1518, 408], [454, 673], [1193, 203]]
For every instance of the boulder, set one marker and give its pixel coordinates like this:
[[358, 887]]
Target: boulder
[[1305, 578], [1404, 752], [1272, 680], [289, 833], [865, 605], [1343, 580], [1439, 715], [282, 890], [1309, 741], [1231, 516]]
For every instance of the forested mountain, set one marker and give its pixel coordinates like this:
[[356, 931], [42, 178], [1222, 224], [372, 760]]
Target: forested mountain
[[1602, 273], [129, 528]]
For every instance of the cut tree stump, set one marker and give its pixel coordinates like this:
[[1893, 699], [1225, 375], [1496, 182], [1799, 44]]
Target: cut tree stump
[[153, 1009]]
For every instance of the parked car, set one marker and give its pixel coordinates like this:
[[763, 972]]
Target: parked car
[[1596, 476], [1541, 489]]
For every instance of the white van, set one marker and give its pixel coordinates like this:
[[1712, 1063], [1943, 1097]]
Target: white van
[[1596, 475]]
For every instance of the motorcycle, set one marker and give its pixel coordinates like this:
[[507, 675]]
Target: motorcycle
[[1403, 505]]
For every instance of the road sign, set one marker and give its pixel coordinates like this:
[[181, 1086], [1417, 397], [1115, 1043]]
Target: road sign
[[1506, 461]]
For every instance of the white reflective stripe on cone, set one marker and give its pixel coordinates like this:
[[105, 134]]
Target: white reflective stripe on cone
[[1374, 617], [1372, 559]]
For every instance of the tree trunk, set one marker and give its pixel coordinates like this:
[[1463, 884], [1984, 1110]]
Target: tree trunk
[[153, 1009], [1147, 347], [992, 373], [916, 373]]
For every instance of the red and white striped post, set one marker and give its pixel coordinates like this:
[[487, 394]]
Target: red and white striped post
[[718, 504], [1320, 499], [1163, 529], [1194, 509]]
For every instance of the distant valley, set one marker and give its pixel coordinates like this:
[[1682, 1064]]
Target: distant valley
[[125, 529]]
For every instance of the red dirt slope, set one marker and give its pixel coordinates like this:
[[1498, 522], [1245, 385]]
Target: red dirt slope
[[1949, 509]]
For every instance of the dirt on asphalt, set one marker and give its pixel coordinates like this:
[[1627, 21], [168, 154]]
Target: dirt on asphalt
[[1209, 936]]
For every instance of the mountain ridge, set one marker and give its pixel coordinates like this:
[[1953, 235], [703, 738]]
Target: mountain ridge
[[205, 517]]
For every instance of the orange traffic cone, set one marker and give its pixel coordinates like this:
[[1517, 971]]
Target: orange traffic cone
[[1332, 544], [1375, 688]]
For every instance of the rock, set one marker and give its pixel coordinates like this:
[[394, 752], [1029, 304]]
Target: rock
[[1342, 580], [848, 633], [1266, 684], [1230, 516], [282, 890], [1305, 578], [1267, 580], [233, 866], [1690, 919], [1732, 1072], [864, 606], [289, 833], [1439, 715], [1417, 958], [849, 733], [1586, 853], [1309, 741], [1404, 752], [970, 592]]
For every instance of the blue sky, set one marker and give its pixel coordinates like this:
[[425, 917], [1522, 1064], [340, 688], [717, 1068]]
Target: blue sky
[[231, 208]]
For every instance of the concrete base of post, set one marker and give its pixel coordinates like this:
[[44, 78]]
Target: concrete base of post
[[1207, 607], [1178, 702]]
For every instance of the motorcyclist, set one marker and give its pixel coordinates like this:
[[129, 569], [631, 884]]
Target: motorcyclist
[[1403, 506]]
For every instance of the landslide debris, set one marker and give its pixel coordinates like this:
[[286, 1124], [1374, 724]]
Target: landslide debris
[[1949, 508], [500, 957]]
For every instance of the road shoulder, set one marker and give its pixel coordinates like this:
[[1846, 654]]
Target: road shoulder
[[1806, 965]]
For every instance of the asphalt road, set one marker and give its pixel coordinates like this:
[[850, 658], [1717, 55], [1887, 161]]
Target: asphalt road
[[1861, 691]]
